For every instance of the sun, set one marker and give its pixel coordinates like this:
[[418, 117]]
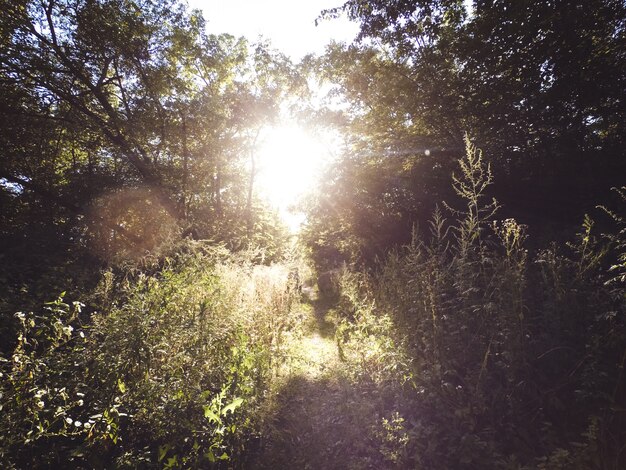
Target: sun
[[289, 161]]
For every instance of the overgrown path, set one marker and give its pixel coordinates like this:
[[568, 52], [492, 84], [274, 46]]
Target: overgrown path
[[319, 417]]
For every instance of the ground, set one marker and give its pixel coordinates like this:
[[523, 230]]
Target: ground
[[320, 417]]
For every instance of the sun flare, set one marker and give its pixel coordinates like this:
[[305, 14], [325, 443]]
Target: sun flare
[[289, 161]]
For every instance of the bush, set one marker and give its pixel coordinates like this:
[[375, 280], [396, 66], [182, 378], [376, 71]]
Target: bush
[[499, 345], [170, 371]]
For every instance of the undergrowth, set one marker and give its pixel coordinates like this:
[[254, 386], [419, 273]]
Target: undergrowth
[[485, 349], [169, 371], [462, 350]]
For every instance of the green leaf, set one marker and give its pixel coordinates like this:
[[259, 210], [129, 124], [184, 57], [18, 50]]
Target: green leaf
[[163, 451], [121, 385], [210, 414], [232, 406]]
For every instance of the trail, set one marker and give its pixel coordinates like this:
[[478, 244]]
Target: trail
[[319, 419]]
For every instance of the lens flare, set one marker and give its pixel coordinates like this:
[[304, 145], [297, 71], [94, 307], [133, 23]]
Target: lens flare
[[290, 159]]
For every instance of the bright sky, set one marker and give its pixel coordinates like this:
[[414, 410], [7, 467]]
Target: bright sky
[[288, 24], [289, 157]]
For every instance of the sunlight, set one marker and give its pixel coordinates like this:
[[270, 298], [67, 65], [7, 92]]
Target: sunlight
[[289, 160], [320, 352], [315, 354]]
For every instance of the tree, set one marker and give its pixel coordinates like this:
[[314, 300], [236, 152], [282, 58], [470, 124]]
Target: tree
[[125, 127], [537, 84], [142, 97]]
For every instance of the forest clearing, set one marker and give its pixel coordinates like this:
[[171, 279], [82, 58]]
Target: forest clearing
[[406, 250]]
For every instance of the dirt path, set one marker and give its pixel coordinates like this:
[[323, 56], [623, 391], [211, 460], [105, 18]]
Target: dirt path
[[319, 420]]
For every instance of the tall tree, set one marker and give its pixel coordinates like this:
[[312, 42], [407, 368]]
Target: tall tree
[[538, 85]]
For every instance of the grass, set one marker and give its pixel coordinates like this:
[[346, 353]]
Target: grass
[[320, 417]]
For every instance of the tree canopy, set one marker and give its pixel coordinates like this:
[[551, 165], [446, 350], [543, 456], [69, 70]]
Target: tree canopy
[[454, 299], [538, 85]]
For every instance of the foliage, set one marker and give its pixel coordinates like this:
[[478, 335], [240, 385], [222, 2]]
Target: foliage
[[424, 72], [170, 371], [492, 341], [127, 128], [618, 240], [463, 339]]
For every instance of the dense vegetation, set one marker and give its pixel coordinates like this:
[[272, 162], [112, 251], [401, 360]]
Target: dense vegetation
[[443, 307]]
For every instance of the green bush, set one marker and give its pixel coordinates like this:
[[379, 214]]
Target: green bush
[[170, 371], [499, 345]]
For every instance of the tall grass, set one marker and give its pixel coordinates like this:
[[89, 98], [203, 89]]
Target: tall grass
[[169, 370], [513, 358]]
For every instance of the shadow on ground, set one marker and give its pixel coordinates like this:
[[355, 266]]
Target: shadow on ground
[[321, 310], [321, 424], [320, 418]]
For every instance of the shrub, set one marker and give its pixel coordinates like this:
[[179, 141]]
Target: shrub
[[500, 345], [170, 371]]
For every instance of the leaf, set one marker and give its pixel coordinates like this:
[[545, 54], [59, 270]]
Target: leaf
[[210, 414], [121, 385], [163, 451], [232, 406]]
